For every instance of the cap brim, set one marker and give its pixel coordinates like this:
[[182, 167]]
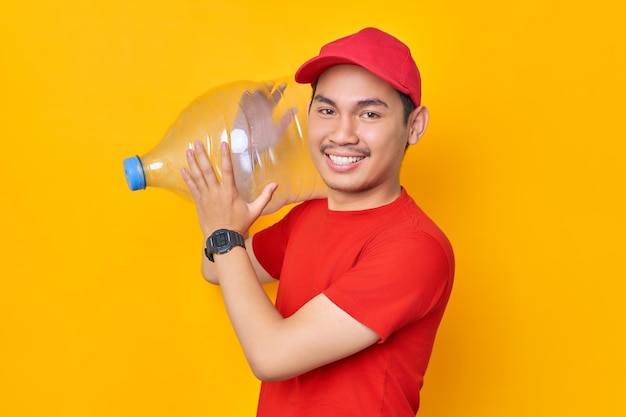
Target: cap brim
[[310, 71]]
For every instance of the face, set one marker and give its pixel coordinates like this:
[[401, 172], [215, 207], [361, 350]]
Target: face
[[357, 136]]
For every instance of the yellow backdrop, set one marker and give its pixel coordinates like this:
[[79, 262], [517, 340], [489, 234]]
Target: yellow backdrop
[[102, 308]]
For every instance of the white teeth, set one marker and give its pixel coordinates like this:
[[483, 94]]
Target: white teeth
[[343, 160]]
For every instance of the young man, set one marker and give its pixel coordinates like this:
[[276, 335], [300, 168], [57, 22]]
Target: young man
[[364, 275]]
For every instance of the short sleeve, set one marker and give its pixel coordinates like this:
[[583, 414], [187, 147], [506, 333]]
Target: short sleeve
[[270, 244], [396, 280]]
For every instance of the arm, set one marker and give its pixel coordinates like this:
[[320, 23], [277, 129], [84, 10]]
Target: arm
[[280, 348], [255, 108], [275, 347], [209, 270]]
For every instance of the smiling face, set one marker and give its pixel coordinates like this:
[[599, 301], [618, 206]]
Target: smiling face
[[357, 137]]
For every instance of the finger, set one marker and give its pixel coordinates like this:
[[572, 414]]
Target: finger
[[259, 204], [277, 94], [228, 174], [269, 85], [190, 182], [204, 164], [194, 173], [284, 121]]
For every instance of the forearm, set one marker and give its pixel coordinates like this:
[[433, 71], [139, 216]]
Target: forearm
[[252, 314], [279, 348], [209, 269]]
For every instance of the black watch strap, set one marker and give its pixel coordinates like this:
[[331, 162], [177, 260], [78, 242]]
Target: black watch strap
[[222, 241]]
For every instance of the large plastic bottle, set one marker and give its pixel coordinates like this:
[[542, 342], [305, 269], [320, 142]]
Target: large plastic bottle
[[265, 124]]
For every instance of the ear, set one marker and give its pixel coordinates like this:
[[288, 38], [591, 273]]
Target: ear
[[418, 120]]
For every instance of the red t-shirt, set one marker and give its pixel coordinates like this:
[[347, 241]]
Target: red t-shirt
[[391, 268]]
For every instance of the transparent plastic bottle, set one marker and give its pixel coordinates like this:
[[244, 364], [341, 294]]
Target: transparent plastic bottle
[[265, 125]]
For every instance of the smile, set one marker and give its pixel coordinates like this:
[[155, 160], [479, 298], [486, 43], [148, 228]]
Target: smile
[[345, 160]]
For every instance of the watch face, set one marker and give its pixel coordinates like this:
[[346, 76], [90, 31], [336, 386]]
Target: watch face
[[220, 239]]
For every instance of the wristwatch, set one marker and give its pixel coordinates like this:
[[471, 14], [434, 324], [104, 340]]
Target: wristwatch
[[222, 241]]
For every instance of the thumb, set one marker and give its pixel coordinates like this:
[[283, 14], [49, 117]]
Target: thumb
[[259, 204]]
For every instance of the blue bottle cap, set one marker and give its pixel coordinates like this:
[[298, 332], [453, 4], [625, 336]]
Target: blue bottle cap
[[135, 177]]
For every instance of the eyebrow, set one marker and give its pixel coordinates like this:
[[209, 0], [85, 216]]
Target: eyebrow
[[359, 104]]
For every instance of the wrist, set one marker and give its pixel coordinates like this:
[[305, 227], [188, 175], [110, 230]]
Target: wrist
[[222, 241]]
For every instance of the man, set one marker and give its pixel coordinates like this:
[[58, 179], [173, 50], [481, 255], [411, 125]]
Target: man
[[364, 275]]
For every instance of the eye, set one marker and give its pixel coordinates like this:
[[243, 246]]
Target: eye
[[326, 111], [370, 115]]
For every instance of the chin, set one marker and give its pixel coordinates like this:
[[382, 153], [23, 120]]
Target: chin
[[345, 187]]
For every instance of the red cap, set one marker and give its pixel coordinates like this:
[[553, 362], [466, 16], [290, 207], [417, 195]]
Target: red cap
[[376, 51]]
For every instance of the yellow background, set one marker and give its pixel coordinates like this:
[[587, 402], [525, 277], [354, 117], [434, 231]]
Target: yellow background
[[102, 308]]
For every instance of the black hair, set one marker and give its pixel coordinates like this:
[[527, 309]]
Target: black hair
[[408, 105]]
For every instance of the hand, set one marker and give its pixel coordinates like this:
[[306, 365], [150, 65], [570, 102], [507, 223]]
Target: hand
[[255, 116], [219, 205]]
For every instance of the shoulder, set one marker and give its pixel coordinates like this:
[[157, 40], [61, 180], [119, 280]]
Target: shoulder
[[405, 234], [423, 228], [309, 206], [297, 215], [311, 210]]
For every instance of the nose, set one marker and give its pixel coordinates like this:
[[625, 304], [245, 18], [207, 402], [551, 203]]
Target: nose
[[344, 131]]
